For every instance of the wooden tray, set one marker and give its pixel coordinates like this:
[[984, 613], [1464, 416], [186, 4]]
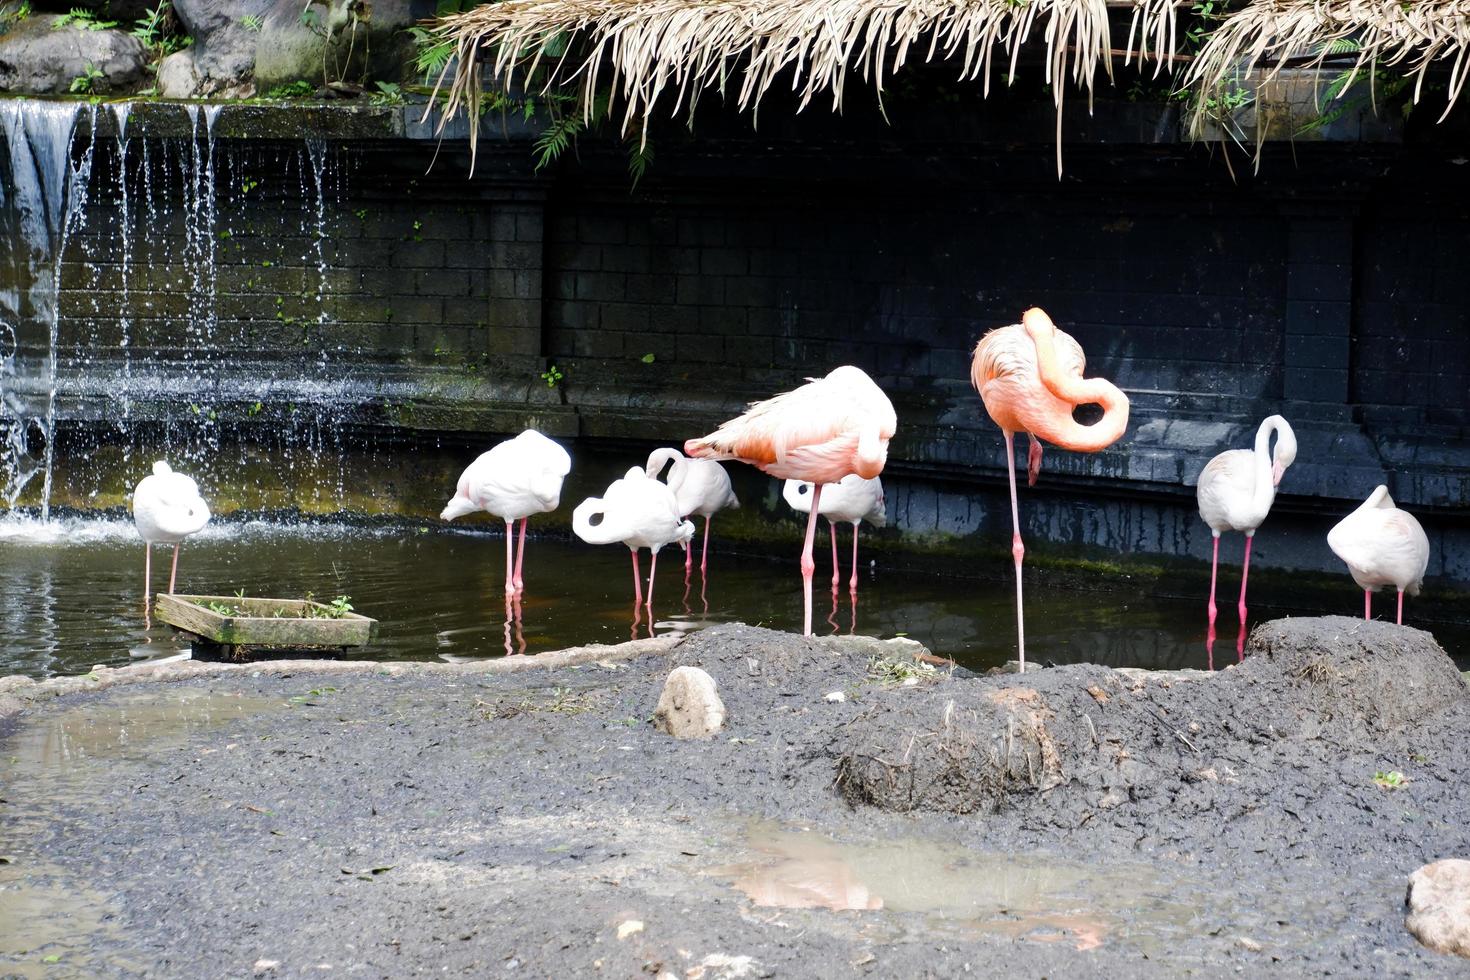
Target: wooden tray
[[268, 624]]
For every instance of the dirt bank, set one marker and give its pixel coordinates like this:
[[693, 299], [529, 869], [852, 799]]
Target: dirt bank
[[1079, 821]]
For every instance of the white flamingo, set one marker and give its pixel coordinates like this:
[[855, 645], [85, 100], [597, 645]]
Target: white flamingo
[[701, 487], [1381, 545], [1235, 493], [513, 480], [167, 508], [639, 512], [850, 500]]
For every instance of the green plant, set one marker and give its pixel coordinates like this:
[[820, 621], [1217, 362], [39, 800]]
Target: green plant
[[86, 84], [223, 608], [159, 31], [298, 89], [552, 376], [12, 14], [388, 94], [252, 23], [1392, 779], [887, 670], [340, 606], [83, 20], [647, 358]]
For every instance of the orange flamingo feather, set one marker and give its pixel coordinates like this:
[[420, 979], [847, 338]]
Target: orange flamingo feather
[[1029, 376]]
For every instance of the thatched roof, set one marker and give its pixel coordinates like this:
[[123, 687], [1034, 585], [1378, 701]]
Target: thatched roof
[[1408, 37], [665, 54]]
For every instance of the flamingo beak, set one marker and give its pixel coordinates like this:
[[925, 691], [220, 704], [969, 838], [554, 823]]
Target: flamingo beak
[[1276, 473]]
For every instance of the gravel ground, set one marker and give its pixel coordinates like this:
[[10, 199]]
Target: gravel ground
[[374, 820]]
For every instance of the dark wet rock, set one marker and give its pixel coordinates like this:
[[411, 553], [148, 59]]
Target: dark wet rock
[[1439, 906], [37, 58], [690, 705], [125, 11]]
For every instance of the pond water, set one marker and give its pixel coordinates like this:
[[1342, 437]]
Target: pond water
[[73, 598]]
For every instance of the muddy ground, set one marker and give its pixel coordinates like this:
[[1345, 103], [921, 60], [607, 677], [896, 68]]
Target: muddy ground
[[380, 821]]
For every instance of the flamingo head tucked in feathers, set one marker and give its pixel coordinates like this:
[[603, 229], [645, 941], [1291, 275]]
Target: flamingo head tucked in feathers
[[1285, 452], [171, 504]]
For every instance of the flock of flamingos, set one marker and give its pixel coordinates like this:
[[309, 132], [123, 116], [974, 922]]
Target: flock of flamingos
[[828, 439]]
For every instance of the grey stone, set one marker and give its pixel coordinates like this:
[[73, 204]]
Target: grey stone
[[339, 39], [690, 705], [178, 78], [37, 58], [1439, 906], [222, 59]]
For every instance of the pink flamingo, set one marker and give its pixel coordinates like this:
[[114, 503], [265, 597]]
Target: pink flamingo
[[513, 480], [1029, 376], [821, 432], [1381, 545], [1235, 492]]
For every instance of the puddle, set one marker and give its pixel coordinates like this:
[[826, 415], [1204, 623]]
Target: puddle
[[50, 924], [52, 921], [962, 891], [129, 725]]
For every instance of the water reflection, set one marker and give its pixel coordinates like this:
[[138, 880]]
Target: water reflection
[[72, 599]]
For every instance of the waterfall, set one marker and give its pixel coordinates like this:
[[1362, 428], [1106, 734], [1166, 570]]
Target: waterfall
[[151, 341], [44, 197]]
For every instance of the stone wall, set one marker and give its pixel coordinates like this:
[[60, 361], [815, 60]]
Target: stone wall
[[408, 297]]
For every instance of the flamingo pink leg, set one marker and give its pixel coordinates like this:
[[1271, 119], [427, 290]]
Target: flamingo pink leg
[[521, 554], [704, 553], [808, 566], [1367, 605], [1400, 620], [147, 574], [689, 554], [637, 579], [510, 564], [652, 570], [836, 568], [1018, 550], [174, 571], [852, 582], [1214, 563], [1244, 574]]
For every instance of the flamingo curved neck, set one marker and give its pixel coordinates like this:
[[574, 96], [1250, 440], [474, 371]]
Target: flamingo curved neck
[[1075, 390], [1264, 491], [677, 472]]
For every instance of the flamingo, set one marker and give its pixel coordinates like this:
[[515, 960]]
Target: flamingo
[[821, 432], [1029, 376], [167, 508], [701, 486], [851, 500], [1235, 492], [640, 512], [1381, 545], [513, 480]]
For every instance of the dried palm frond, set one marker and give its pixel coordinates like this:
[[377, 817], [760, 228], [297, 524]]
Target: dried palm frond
[[678, 49], [1409, 36]]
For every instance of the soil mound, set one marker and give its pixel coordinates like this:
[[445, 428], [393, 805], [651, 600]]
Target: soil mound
[[1091, 738]]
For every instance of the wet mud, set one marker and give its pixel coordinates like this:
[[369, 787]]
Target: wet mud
[[295, 820]]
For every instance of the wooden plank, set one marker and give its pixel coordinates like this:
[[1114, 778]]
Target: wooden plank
[[189, 613]]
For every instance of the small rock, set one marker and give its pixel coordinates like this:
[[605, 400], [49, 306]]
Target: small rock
[[690, 705], [836, 697], [262, 967], [1439, 906], [1248, 944], [629, 927]]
